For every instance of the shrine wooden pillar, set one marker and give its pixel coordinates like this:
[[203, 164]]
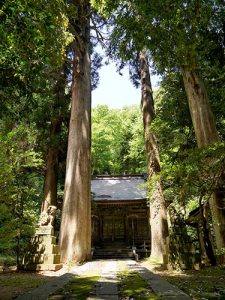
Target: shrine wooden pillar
[[100, 229]]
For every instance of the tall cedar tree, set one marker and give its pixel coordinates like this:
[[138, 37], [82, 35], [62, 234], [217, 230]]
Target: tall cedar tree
[[75, 230], [158, 219], [51, 173], [206, 134]]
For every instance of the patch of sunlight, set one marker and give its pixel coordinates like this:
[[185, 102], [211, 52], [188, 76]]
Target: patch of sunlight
[[78, 288], [133, 286]]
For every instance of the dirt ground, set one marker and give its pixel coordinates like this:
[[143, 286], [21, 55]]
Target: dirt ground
[[14, 283]]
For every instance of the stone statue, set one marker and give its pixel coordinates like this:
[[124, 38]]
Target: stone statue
[[47, 218]]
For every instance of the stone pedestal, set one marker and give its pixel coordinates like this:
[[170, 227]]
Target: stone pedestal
[[43, 254]]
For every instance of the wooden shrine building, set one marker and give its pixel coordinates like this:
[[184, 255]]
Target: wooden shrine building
[[119, 212]]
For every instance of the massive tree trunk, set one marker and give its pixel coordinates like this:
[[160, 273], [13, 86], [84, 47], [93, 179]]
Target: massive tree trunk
[[206, 134], [75, 231], [158, 218], [51, 174]]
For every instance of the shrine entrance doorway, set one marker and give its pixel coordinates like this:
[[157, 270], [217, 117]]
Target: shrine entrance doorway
[[121, 224], [113, 229]]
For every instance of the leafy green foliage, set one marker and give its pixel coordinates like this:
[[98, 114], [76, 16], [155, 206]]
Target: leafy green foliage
[[117, 141], [20, 187], [187, 172], [28, 34], [34, 37], [106, 138], [133, 152]]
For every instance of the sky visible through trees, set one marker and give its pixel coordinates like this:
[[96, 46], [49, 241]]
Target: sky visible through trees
[[45, 88], [115, 90]]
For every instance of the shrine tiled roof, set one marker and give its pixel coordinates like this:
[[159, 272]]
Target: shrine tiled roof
[[118, 188]]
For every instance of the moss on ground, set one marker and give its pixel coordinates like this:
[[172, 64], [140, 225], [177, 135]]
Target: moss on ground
[[78, 288], [26, 280], [15, 283], [134, 287], [208, 283]]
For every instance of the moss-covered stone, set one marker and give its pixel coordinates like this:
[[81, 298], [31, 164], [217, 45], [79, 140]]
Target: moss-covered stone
[[134, 287], [79, 288]]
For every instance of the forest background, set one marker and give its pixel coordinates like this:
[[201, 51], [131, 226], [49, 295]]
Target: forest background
[[36, 74]]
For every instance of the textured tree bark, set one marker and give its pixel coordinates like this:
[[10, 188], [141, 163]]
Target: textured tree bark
[[75, 231], [201, 114], [158, 218], [206, 234], [206, 134], [51, 174]]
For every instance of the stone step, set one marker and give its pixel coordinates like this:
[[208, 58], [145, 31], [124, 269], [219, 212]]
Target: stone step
[[112, 257], [112, 253], [45, 259], [44, 267]]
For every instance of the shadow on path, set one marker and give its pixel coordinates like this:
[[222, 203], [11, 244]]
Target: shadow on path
[[107, 287]]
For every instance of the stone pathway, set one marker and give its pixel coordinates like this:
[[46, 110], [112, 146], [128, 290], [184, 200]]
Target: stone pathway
[[107, 287], [160, 286]]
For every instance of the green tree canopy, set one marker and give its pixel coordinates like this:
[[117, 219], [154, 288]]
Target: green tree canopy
[[117, 141]]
